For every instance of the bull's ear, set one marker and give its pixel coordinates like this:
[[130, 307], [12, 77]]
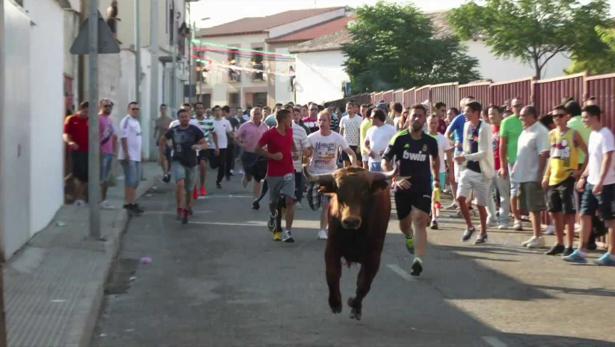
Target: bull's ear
[[378, 182], [327, 185]]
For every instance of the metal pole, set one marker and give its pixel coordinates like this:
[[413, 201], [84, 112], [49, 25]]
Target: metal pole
[[154, 64], [137, 52], [94, 143], [174, 61], [3, 340]]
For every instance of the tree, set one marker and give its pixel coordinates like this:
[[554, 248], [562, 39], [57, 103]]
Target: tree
[[601, 63], [534, 31], [394, 47]]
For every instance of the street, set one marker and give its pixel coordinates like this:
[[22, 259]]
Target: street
[[222, 281]]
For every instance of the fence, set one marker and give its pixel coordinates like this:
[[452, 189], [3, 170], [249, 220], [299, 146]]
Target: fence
[[544, 94]]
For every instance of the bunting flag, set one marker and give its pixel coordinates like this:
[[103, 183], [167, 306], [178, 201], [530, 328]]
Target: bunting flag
[[210, 64], [218, 45], [265, 56]]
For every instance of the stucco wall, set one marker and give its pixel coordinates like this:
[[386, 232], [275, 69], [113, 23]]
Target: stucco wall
[[320, 76]]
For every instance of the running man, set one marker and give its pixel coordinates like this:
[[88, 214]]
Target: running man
[[417, 156], [247, 138], [186, 139], [280, 174], [206, 124], [324, 146]]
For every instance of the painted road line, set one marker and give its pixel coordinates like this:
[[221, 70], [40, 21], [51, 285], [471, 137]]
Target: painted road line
[[399, 271]]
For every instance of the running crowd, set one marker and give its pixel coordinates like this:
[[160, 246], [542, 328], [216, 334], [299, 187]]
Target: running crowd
[[504, 161]]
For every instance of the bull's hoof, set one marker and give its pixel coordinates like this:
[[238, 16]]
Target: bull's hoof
[[336, 305], [355, 312]]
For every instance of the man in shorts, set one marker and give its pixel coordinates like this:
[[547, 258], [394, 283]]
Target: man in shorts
[[186, 140], [162, 125], [206, 124], [76, 139], [416, 154], [280, 174], [130, 156], [532, 154], [598, 186], [108, 148], [254, 166]]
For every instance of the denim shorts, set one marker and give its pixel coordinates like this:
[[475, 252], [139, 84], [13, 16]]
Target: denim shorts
[[132, 173], [106, 162], [605, 202]]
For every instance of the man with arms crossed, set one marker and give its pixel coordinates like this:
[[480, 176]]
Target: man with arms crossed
[[418, 162]]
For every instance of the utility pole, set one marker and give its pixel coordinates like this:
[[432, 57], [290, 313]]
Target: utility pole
[[94, 142], [174, 60], [153, 29], [137, 52], [190, 59]]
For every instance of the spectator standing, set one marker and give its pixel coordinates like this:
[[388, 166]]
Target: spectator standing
[[501, 184], [532, 154], [441, 115], [510, 130], [108, 148], [444, 153], [130, 156], [477, 169], [76, 139], [598, 186], [559, 179]]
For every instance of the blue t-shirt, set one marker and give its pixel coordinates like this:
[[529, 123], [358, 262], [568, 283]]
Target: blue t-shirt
[[456, 127]]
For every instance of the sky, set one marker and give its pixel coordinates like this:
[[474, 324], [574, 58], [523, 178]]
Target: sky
[[223, 11]]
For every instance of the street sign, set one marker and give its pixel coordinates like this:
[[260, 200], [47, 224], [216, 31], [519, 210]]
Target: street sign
[[106, 42]]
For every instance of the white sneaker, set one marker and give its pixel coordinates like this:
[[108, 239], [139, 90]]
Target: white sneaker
[[287, 236], [79, 203], [526, 242], [503, 226], [537, 242], [322, 234], [298, 206], [106, 205], [517, 225], [550, 230]]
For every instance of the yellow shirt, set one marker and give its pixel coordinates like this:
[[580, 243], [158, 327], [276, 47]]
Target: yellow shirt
[[564, 158], [364, 127]]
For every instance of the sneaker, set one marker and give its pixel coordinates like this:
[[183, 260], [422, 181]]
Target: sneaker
[[203, 191], [536, 242], [322, 234], [567, 251], [456, 214], [277, 235], [184, 216], [503, 226], [550, 230], [287, 236], [255, 205], [218, 185], [575, 257], [434, 225], [606, 260], [555, 250], [410, 245], [467, 234], [166, 178], [106, 205], [79, 203], [271, 222], [195, 193], [517, 225], [416, 268], [524, 243], [480, 239], [133, 209], [452, 206]]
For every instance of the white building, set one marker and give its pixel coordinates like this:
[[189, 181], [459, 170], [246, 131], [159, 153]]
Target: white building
[[232, 54]]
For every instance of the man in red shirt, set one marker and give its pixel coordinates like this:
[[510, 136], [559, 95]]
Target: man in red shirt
[[76, 139], [280, 174]]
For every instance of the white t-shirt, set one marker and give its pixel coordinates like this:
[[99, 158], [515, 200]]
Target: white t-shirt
[[324, 158], [532, 142], [443, 145], [300, 143], [351, 128], [221, 128], [379, 138], [130, 129], [600, 143]]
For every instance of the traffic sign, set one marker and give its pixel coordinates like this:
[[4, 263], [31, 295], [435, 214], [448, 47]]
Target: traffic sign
[[106, 42]]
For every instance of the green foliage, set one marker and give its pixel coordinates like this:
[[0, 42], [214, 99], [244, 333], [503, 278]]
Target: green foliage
[[533, 30], [601, 63], [394, 47]]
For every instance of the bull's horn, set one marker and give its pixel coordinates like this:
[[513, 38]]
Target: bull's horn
[[320, 179]]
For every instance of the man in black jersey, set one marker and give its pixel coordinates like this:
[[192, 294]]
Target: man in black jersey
[[186, 139], [412, 149]]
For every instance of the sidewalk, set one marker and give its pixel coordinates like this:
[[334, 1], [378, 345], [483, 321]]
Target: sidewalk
[[54, 285]]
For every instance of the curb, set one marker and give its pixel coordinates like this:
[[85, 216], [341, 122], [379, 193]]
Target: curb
[[81, 330]]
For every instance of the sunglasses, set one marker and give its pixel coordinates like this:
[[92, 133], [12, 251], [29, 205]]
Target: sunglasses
[[135, 109]]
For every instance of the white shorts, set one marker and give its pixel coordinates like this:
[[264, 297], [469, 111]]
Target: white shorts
[[474, 181]]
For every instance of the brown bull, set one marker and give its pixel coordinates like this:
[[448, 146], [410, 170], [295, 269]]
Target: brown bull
[[359, 213]]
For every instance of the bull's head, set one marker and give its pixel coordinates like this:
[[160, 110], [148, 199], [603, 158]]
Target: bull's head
[[351, 189]]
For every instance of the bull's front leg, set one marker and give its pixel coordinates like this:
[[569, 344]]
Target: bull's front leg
[[333, 263], [364, 282]]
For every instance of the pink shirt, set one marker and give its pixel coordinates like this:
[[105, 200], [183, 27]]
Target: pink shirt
[[249, 134], [105, 127]]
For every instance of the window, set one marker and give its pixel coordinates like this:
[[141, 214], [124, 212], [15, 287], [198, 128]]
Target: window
[[234, 75], [260, 99], [257, 63], [233, 99]]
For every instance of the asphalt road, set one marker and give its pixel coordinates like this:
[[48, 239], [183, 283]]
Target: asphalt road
[[222, 281]]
